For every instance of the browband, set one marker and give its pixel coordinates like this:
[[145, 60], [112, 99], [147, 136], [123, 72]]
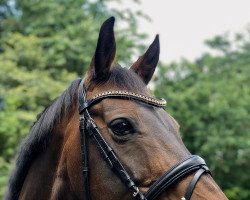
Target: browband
[[124, 94]]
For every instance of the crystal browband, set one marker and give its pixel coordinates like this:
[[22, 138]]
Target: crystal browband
[[123, 94]]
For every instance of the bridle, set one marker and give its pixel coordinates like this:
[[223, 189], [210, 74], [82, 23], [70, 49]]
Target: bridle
[[88, 126]]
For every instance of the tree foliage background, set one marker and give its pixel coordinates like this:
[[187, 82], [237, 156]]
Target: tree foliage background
[[46, 44], [210, 98]]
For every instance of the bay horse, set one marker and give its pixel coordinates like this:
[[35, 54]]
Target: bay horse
[[106, 138]]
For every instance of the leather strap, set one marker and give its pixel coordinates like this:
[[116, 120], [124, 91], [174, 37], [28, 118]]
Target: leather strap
[[172, 176], [84, 144], [123, 94], [110, 157], [193, 183], [85, 160], [105, 150]]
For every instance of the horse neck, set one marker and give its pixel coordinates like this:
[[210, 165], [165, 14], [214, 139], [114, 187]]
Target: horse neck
[[68, 171], [45, 168]]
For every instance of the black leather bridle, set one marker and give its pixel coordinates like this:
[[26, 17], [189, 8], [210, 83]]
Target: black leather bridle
[[88, 126]]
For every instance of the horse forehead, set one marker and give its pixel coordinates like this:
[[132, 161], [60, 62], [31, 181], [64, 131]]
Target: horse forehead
[[112, 108], [109, 105]]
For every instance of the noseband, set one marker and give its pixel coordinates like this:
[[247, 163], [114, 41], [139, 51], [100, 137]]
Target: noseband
[[88, 126]]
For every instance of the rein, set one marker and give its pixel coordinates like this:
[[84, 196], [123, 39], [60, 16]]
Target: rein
[[88, 126]]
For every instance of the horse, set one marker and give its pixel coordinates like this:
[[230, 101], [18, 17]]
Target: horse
[[106, 138]]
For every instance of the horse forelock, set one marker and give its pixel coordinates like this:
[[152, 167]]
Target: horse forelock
[[121, 77]]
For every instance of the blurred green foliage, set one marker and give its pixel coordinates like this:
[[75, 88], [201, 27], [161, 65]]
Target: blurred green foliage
[[210, 98], [44, 45]]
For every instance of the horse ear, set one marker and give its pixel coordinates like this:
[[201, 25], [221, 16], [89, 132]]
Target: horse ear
[[105, 51], [146, 64]]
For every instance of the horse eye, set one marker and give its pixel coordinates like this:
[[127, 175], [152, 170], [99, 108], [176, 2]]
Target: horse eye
[[121, 127]]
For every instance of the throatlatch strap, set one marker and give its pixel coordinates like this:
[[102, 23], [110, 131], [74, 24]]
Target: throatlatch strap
[[85, 160], [84, 144]]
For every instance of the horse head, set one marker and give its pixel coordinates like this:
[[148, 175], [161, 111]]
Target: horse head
[[140, 134]]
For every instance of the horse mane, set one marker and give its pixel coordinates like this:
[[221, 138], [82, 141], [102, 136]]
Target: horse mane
[[37, 139]]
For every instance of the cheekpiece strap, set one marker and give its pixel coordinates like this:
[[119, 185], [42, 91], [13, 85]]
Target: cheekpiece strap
[[88, 124]]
